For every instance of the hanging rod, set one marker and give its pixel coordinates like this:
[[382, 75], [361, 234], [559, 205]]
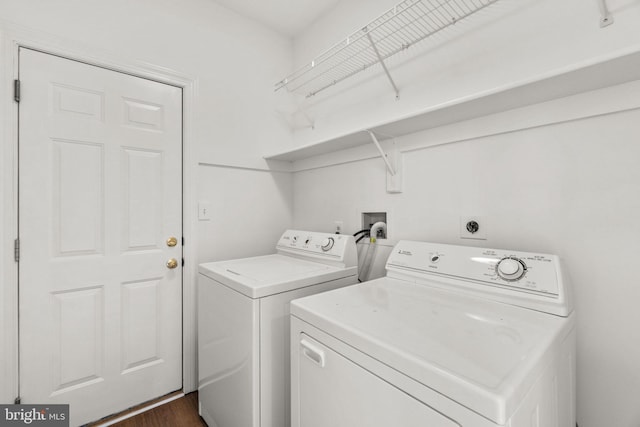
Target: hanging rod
[[402, 26]]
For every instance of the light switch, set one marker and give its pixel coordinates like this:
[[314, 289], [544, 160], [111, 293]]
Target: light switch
[[204, 211]]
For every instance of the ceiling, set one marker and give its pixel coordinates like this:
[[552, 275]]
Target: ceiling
[[288, 17]]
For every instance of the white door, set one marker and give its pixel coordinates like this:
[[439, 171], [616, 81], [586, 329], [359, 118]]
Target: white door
[[100, 194]]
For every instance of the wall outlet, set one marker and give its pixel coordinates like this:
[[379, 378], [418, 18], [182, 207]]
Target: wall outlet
[[473, 227], [338, 225]]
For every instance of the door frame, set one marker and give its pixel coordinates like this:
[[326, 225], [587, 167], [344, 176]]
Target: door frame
[[12, 38]]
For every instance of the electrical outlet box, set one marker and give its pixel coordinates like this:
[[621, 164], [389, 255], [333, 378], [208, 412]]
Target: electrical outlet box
[[370, 218], [338, 225], [473, 227]]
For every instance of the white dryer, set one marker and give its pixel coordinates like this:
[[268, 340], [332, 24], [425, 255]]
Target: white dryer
[[243, 324], [452, 336]]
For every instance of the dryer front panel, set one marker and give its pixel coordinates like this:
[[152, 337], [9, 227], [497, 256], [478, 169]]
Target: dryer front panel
[[326, 399]]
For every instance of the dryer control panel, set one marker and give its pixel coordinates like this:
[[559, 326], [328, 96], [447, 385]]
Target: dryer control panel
[[339, 248], [527, 279]]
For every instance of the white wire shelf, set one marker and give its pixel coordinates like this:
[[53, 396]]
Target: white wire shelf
[[406, 24], [620, 68]]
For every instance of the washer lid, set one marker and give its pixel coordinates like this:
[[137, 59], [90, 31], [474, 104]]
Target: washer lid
[[482, 354], [261, 276]]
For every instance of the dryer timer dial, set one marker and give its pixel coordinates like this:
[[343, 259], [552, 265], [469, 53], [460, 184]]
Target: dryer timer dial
[[511, 268]]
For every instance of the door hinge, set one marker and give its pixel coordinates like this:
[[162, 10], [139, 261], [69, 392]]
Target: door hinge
[[16, 90], [17, 400], [16, 250], [183, 262]]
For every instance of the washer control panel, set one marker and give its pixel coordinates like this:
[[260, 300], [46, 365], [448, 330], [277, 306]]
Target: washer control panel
[[506, 272], [315, 244]]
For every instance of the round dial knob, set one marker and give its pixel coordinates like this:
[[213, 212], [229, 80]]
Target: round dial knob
[[327, 244], [511, 269]]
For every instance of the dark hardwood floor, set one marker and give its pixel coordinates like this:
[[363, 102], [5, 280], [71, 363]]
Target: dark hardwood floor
[[182, 412]]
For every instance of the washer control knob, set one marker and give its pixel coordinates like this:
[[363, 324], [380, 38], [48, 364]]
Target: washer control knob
[[327, 244], [294, 239], [511, 269]]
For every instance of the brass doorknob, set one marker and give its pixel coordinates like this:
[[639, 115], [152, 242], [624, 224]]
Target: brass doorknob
[[172, 263], [172, 241]]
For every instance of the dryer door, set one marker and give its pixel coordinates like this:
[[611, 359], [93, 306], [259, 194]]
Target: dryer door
[[336, 392]]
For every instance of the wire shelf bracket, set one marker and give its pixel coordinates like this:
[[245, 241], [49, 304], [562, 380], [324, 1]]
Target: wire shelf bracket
[[606, 18], [393, 161], [401, 27], [384, 66], [375, 141]]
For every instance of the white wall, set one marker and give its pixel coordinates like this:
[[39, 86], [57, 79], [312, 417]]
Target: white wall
[[509, 42], [253, 216], [567, 187], [235, 63]]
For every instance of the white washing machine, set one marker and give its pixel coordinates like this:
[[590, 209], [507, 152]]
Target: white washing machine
[[243, 325], [452, 336]]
